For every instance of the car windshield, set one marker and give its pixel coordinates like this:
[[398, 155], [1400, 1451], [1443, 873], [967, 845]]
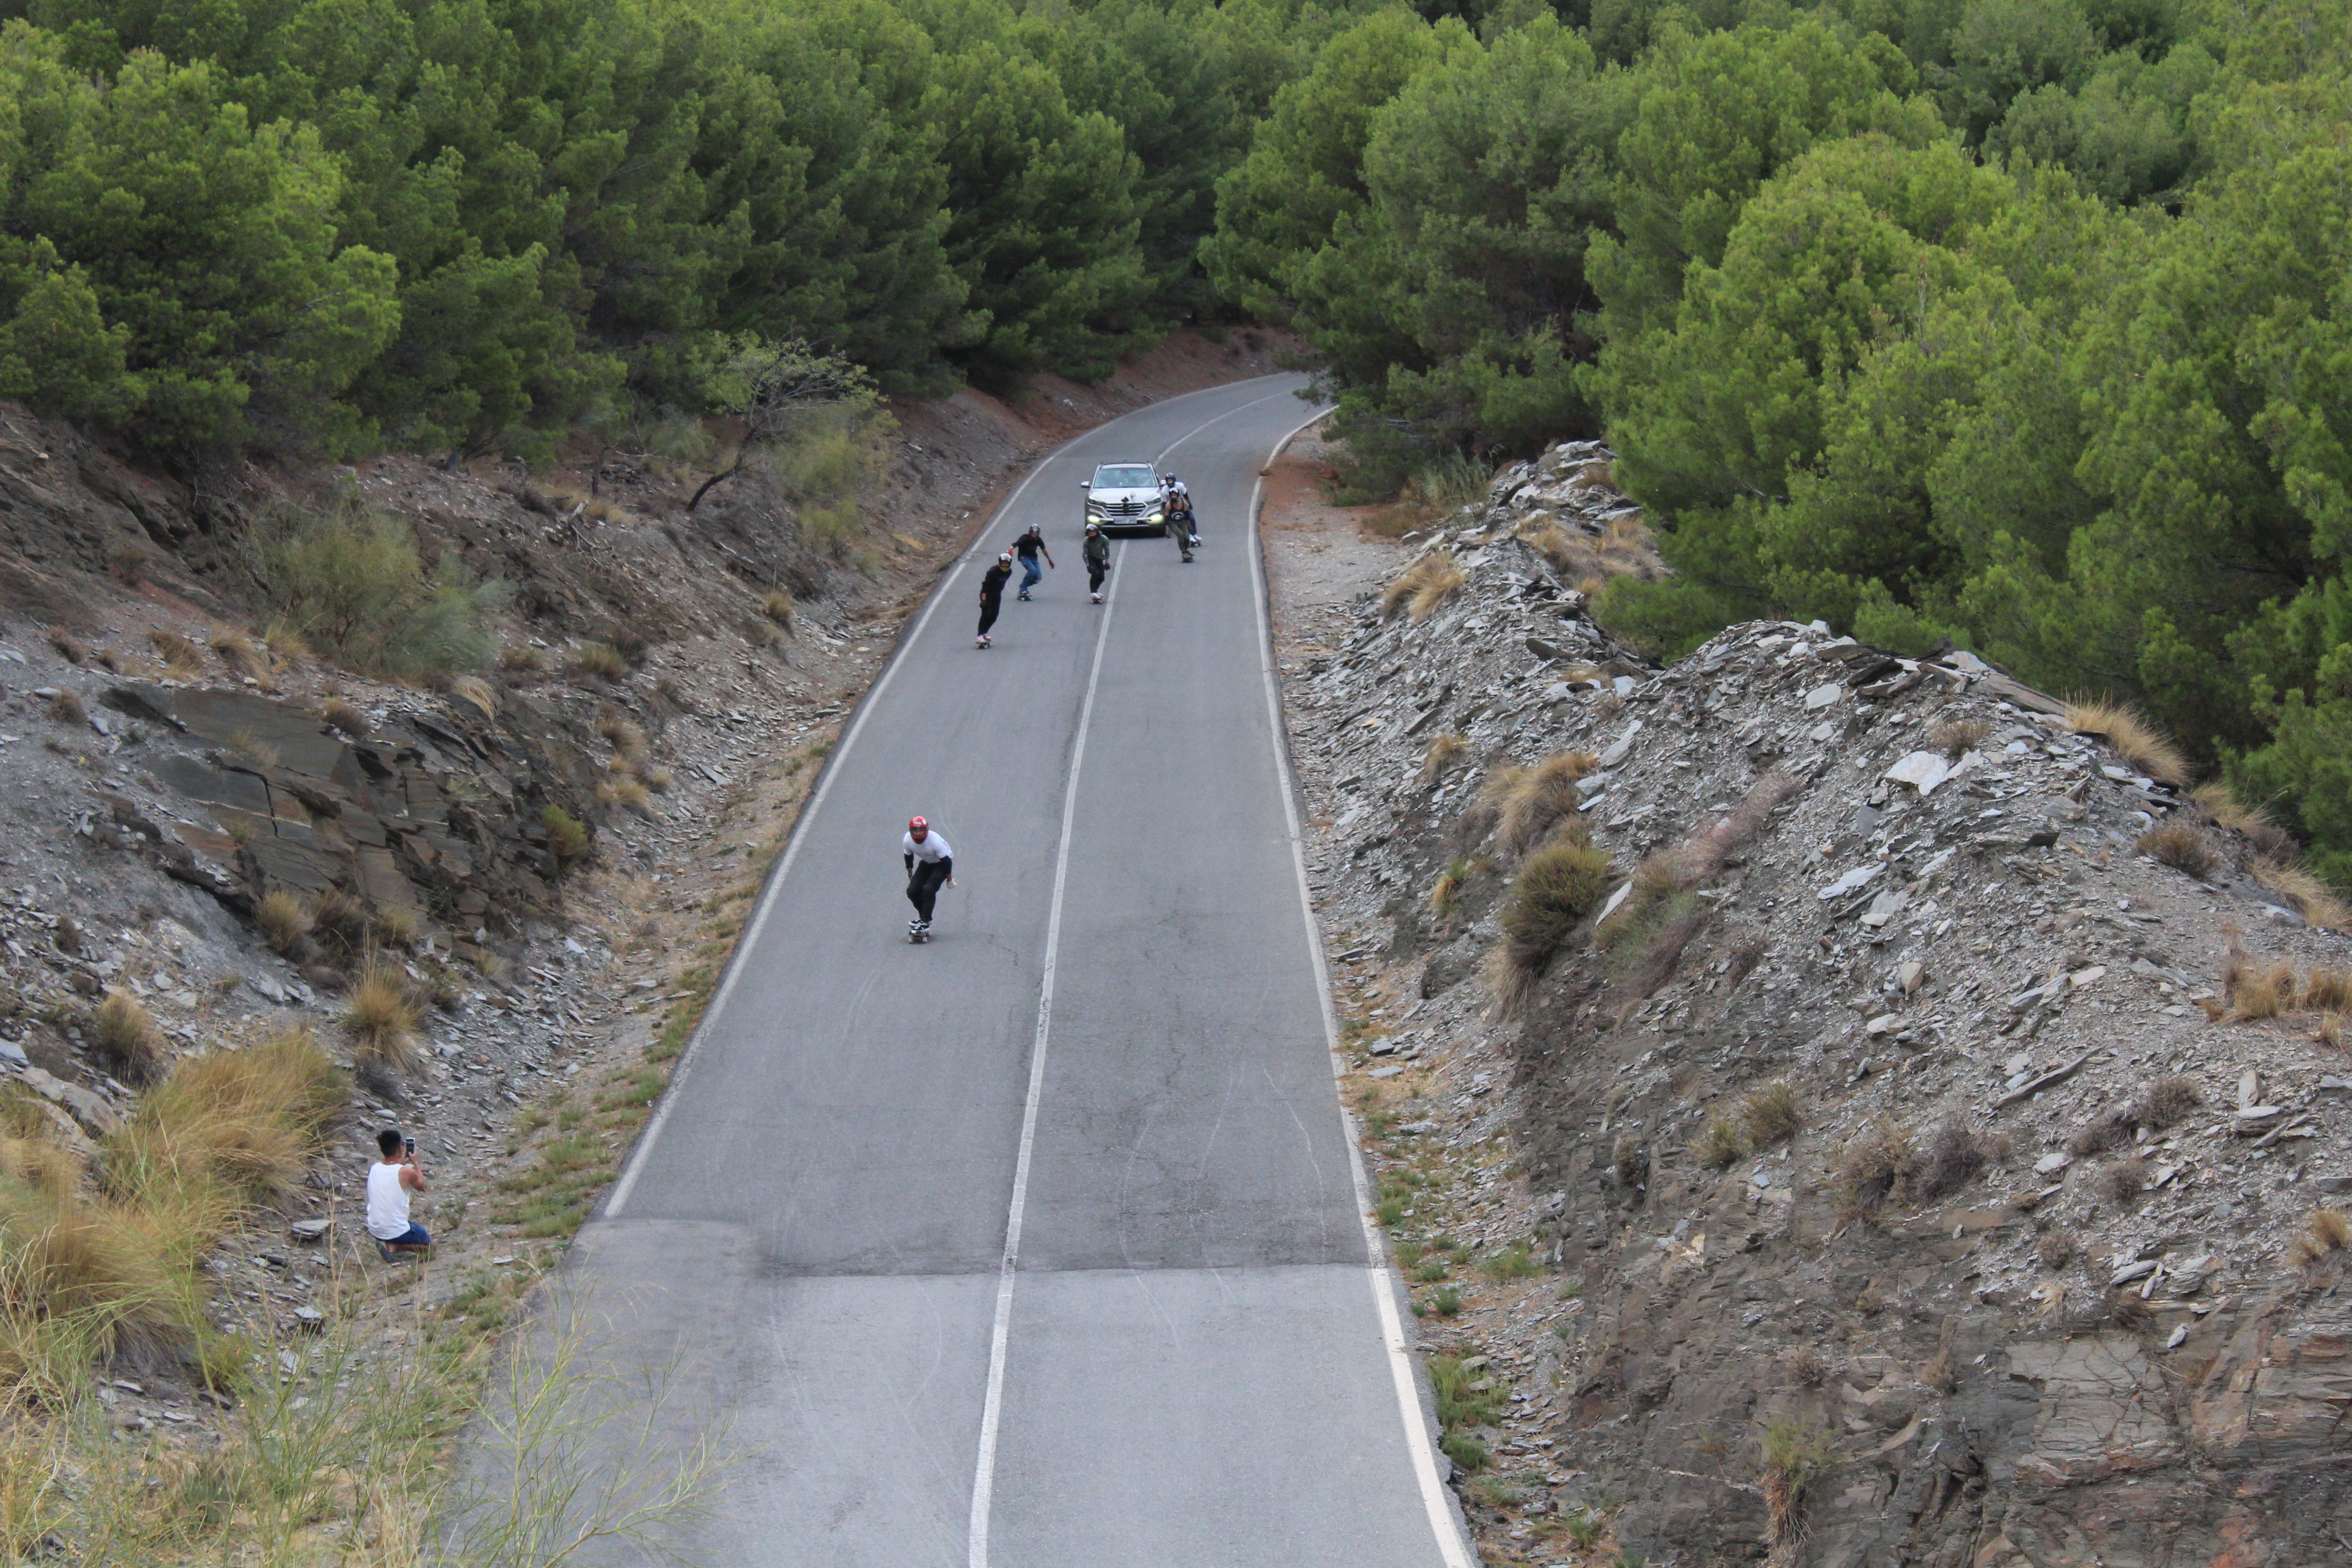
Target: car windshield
[[1125, 477]]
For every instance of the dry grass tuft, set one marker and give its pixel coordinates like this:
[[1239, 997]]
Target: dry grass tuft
[[1954, 1154], [1627, 1161], [248, 1116], [2134, 738], [2055, 1248], [287, 643], [521, 659], [1957, 737], [2182, 848], [339, 923], [1421, 588], [778, 607], [66, 707], [1772, 1114], [2125, 1180], [126, 1039], [1874, 1160], [1530, 802], [1557, 887], [626, 738], [625, 790], [241, 654], [396, 926], [1719, 1145], [89, 1271], [2263, 993], [2313, 898], [382, 1019], [183, 657], [476, 692], [2169, 1102], [2327, 990], [2325, 1233], [2331, 1031], [1701, 857], [601, 660], [1445, 893], [70, 647], [2109, 1130], [1808, 1367], [1663, 914], [283, 923], [1441, 754], [2256, 822], [1622, 549], [344, 716], [1794, 1454]]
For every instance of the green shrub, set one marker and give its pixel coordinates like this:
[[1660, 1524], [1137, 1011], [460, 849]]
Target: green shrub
[[1512, 1263], [567, 835], [1557, 887], [349, 581]]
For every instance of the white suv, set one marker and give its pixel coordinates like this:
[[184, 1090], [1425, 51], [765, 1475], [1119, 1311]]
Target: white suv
[[1124, 497]]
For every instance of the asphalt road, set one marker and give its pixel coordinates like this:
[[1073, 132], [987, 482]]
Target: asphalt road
[[1042, 1244]]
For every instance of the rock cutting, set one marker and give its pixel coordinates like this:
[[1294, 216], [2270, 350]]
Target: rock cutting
[[1821, 1119]]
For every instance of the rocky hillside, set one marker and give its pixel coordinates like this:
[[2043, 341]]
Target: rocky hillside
[[212, 832], [1836, 1108]]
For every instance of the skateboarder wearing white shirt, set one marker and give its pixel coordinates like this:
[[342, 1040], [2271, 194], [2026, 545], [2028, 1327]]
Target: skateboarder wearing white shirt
[[930, 866]]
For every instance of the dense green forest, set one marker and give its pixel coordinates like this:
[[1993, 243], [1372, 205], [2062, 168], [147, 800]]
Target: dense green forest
[[2019, 323], [2025, 325], [464, 225]]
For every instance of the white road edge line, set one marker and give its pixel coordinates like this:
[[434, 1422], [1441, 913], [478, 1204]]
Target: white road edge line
[[1442, 1522], [750, 938], [991, 1410]]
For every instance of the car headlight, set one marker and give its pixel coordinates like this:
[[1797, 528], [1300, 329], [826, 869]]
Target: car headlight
[[1156, 516]]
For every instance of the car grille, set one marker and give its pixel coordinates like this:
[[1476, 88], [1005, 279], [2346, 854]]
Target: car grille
[[1125, 508]]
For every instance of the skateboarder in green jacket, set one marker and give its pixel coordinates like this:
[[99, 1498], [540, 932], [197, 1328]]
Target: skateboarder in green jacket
[[1098, 552]]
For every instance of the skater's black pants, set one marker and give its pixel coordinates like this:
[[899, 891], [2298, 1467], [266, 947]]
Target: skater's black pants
[[923, 887], [1095, 571], [988, 609]]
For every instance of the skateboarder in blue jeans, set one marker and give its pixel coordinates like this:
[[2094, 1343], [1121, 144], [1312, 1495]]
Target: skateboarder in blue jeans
[[1029, 546]]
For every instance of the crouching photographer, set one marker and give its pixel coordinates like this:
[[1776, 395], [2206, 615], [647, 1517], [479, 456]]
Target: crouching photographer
[[390, 1180]]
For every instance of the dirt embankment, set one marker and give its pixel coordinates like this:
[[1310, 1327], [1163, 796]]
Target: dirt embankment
[[1839, 1110], [670, 680]]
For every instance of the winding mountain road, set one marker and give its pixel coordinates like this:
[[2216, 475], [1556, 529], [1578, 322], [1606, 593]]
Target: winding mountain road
[[1041, 1246]]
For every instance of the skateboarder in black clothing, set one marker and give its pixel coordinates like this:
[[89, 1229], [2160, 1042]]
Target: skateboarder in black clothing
[[930, 866], [992, 595]]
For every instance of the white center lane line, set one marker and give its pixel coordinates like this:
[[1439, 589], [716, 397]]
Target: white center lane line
[[991, 1412]]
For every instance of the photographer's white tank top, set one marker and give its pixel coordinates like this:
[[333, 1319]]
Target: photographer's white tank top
[[387, 1204]]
